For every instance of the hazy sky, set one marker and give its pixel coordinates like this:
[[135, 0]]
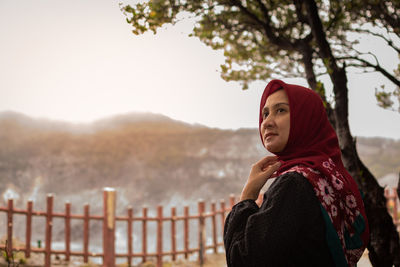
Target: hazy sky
[[78, 61]]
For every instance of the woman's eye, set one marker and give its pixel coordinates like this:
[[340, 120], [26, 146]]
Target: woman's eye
[[265, 115], [280, 110]]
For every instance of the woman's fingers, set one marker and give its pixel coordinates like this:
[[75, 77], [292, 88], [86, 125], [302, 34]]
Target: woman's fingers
[[266, 161], [259, 174], [269, 170]]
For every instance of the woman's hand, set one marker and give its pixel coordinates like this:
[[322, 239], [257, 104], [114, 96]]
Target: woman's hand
[[259, 174]]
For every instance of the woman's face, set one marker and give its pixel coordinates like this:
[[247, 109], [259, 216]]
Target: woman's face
[[275, 127]]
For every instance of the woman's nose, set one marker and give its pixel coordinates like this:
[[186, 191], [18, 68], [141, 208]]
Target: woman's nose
[[267, 122]]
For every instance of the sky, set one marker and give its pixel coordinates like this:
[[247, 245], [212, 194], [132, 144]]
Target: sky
[[78, 61]]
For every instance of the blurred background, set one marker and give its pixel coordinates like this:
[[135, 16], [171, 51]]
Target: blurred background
[[86, 104]]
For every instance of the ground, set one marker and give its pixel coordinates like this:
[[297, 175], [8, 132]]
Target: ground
[[213, 260], [36, 260]]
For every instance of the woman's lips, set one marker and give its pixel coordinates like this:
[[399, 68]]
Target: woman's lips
[[268, 136]]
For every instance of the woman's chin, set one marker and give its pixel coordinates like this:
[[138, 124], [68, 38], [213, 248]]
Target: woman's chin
[[273, 148]]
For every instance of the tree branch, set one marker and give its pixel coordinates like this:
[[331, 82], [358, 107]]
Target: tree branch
[[299, 13], [388, 41], [263, 9], [270, 33], [319, 35], [376, 66], [247, 12]]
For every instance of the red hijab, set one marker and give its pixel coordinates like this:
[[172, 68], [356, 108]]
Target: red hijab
[[313, 150]]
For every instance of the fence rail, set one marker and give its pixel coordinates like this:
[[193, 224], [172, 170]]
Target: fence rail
[[109, 219]]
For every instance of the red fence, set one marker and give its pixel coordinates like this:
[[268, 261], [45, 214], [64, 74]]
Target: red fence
[[393, 205], [109, 220]]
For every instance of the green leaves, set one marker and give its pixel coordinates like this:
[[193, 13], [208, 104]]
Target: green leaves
[[265, 39], [385, 97], [236, 27], [150, 15]]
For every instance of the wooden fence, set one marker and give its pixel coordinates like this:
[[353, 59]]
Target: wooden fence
[[393, 206], [109, 220]]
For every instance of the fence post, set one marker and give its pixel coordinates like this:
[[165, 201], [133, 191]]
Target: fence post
[[222, 204], [173, 233], [86, 234], [10, 228], [29, 209], [67, 230], [232, 200], [49, 226], [144, 234], [109, 227], [214, 226], [202, 232], [130, 248], [186, 233], [159, 235]]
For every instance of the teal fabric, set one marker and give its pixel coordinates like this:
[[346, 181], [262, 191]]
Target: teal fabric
[[333, 241], [355, 241], [362, 194]]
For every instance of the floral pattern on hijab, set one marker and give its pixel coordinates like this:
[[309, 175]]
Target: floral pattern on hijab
[[313, 151]]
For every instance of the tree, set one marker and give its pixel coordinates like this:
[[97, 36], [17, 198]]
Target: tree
[[304, 38], [380, 19], [383, 22]]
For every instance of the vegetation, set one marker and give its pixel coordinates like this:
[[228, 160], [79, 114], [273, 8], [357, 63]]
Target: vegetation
[[13, 259]]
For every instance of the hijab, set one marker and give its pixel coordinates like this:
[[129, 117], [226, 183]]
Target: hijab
[[313, 150]]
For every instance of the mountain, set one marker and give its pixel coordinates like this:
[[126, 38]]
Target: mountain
[[149, 158], [380, 155]]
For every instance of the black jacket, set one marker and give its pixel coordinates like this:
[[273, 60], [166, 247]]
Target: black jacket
[[287, 230]]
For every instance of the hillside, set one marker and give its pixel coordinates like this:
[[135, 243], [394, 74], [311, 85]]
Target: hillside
[[147, 155], [150, 159], [380, 155]]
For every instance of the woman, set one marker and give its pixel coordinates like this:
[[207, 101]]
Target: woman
[[312, 214]]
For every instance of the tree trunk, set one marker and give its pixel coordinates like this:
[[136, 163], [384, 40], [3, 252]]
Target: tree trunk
[[307, 53], [384, 245]]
